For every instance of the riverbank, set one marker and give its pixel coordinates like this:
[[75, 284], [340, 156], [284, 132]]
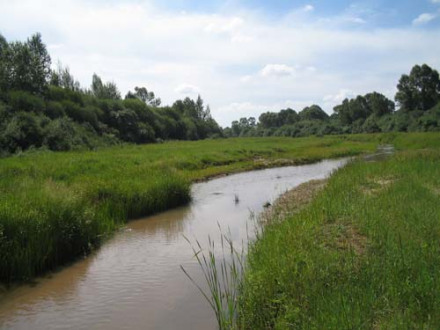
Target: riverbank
[[56, 207], [363, 254]]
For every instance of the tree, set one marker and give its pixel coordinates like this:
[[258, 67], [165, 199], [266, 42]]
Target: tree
[[235, 128], [313, 112], [200, 108], [207, 113], [420, 90], [144, 95], [361, 107], [269, 119], [189, 108], [108, 90], [288, 116], [40, 64], [379, 104], [63, 78], [352, 110], [24, 65], [4, 49]]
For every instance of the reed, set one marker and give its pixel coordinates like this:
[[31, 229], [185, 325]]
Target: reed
[[223, 276]]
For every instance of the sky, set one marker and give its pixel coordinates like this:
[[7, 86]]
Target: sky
[[244, 57]]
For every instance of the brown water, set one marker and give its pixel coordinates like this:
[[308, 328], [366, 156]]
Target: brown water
[[134, 281]]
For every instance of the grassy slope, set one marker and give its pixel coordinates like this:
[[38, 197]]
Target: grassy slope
[[57, 206], [364, 254]]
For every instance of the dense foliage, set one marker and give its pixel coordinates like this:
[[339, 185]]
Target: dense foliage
[[418, 98], [41, 106], [45, 107]]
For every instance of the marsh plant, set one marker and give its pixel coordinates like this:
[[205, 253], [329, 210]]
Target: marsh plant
[[222, 265]]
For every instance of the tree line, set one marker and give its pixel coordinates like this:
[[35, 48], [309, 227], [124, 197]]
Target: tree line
[[45, 107], [41, 106], [416, 108]]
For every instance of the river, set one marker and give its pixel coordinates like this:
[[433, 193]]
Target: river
[[134, 280]]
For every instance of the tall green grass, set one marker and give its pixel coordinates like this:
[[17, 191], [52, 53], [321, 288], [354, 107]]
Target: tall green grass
[[222, 268], [365, 254], [55, 207]]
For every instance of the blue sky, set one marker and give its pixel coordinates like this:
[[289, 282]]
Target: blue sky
[[243, 56], [377, 13]]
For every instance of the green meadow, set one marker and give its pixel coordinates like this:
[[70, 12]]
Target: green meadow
[[364, 254], [55, 207]]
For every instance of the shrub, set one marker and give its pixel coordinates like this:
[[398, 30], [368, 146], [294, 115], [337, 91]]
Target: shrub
[[24, 101], [22, 131], [54, 110]]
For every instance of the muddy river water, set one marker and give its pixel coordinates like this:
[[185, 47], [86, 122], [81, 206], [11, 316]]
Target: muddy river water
[[134, 280]]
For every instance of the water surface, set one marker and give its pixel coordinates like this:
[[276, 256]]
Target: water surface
[[134, 280]]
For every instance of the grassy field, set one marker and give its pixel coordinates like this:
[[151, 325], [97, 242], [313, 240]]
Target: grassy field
[[55, 207], [364, 254]]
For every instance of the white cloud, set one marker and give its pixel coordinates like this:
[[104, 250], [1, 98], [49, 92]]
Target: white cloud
[[231, 27], [246, 78], [221, 25], [424, 18], [277, 70], [340, 96], [308, 8], [187, 89], [435, 1], [231, 58], [355, 19]]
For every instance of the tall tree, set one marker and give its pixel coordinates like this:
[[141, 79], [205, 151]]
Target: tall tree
[[39, 64], [25, 65], [314, 112], [61, 77], [379, 104], [144, 95], [4, 50], [420, 90], [108, 90]]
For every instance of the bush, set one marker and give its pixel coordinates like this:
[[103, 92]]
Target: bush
[[54, 110], [22, 131], [24, 101], [60, 135]]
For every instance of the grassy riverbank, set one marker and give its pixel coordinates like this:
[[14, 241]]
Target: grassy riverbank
[[55, 207], [364, 254]]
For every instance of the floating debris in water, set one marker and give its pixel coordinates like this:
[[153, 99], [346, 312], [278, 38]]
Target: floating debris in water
[[236, 199]]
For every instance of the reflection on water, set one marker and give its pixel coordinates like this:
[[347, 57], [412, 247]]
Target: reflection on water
[[382, 153], [134, 281]]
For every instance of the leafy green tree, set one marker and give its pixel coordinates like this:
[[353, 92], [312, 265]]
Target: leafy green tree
[[269, 119], [288, 116], [4, 51], [420, 90], [145, 96], [200, 108], [24, 65], [108, 90], [313, 112], [379, 104], [353, 110], [235, 128], [63, 78]]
